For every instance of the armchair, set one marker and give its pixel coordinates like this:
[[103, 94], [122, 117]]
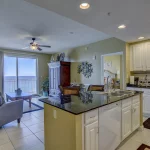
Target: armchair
[[11, 111]]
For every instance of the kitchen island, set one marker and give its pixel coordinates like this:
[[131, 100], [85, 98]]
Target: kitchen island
[[91, 121]]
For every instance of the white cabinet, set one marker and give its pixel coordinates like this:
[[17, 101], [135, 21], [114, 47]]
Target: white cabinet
[[135, 116], [140, 57], [126, 122], [130, 115], [91, 136], [106, 127], [137, 52], [147, 55]]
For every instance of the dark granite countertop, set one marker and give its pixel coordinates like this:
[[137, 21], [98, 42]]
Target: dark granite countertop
[[79, 104], [134, 86]]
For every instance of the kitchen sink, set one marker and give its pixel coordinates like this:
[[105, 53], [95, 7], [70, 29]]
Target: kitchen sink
[[121, 93]]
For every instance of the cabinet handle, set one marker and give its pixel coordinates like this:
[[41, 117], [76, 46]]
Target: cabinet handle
[[92, 117], [97, 130], [133, 110]]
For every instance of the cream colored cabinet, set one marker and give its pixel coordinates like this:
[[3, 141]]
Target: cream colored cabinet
[[91, 136], [135, 116], [140, 57], [126, 122], [130, 115], [137, 57], [147, 55]]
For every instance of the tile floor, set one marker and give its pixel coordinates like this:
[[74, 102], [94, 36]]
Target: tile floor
[[29, 135]]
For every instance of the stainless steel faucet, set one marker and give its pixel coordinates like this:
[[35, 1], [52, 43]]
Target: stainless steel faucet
[[146, 80], [108, 83]]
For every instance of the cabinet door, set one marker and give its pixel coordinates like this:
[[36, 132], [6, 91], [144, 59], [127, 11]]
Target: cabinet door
[[147, 55], [135, 116], [131, 58], [146, 105], [91, 136], [126, 122], [138, 57]]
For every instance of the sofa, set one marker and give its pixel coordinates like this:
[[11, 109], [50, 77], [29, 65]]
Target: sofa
[[11, 111]]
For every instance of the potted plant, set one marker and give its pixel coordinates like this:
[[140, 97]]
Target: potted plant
[[45, 87]]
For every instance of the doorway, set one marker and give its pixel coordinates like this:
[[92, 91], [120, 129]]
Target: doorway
[[112, 66]]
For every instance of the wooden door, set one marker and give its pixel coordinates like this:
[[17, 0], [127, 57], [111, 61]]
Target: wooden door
[[65, 74]]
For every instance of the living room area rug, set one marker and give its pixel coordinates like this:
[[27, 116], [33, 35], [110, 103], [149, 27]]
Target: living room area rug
[[144, 147], [35, 105]]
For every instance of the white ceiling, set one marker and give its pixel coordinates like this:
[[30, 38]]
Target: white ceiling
[[20, 21], [135, 14]]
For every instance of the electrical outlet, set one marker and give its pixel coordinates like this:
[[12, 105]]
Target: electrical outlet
[[55, 114]]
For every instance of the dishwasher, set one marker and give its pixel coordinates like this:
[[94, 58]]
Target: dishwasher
[[110, 126]]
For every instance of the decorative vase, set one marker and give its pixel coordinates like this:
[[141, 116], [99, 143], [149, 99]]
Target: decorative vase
[[18, 91], [45, 93]]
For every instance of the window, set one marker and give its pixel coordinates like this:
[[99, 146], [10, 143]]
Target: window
[[20, 72]]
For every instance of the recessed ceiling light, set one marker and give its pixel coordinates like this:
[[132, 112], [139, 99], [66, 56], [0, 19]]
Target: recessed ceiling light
[[84, 5], [122, 26], [140, 38]]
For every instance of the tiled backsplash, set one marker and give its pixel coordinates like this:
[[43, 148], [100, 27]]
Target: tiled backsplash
[[144, 79]]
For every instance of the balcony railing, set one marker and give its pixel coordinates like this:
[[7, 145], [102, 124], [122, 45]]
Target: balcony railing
[[27, 84]]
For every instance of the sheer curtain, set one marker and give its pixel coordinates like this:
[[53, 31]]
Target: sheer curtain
[[1, 70]]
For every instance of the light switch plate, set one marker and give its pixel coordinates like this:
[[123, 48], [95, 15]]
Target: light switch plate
[[55, 114]]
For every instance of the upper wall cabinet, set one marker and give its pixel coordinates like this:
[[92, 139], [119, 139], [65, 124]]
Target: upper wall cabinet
[[147, 55], [140, 57]]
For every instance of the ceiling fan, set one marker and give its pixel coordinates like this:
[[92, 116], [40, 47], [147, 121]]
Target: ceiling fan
[[35, 46]]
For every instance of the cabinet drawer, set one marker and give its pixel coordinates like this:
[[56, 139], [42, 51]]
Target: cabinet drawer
[[126, 102], [136, 99], [91, 116]]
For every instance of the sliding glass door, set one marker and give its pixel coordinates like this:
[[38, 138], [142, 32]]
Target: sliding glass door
[[20, 72], [10, 74]]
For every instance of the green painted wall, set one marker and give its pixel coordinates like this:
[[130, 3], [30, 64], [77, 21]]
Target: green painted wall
[[86, 53]]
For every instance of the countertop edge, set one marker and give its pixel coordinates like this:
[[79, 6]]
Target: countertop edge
[[42, 100]]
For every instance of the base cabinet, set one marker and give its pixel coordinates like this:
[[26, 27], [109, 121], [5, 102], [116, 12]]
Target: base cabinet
[[135, 116], [91, 136], [130, 116], [126, 122], [105, 128], [146, 105]]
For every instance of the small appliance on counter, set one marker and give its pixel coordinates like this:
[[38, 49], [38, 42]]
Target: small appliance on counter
[[134, 80]]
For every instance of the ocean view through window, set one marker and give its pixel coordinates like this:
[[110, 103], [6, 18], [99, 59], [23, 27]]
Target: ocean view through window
[[20, 73]]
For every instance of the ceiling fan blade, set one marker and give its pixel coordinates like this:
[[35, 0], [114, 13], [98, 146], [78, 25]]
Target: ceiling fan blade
[[26, 47], [45, 46], [38, 48]]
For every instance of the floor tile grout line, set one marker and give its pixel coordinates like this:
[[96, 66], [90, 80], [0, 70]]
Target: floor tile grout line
[[35, 134], [10, 139]]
